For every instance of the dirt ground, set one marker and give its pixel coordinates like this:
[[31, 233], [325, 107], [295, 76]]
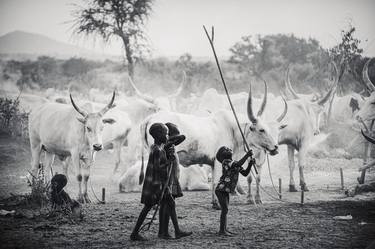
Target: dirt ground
[[275, 224]]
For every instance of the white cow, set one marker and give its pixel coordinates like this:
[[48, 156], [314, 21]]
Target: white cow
[[205, 135], [65, 131], [298, 128], [191, 178]]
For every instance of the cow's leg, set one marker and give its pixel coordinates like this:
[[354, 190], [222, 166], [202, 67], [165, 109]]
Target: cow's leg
[[250, 198], [77, 166], [49, 159], [258, 200], [86, 175], [301, 165], [36, 149], [117, 151], [292, 186], [65, 165], [216, 170]]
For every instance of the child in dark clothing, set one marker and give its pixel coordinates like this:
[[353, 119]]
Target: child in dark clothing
[[155, 172], [228, 181], [173, 190]]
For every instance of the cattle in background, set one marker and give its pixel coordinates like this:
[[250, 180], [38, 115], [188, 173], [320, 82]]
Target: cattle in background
[[367, 111], [205, 135], [67, 131], [299, 126], [192, 178]]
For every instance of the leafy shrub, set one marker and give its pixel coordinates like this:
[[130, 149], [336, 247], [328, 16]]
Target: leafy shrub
[[12, 119]]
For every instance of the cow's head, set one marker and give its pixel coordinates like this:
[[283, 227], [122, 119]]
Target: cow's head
[[258, 132], [367, 111], [94, 123], [315, 107]]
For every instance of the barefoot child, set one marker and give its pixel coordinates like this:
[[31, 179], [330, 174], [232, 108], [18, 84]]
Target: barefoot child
[[155, 172], [173, 190], [228, 181]]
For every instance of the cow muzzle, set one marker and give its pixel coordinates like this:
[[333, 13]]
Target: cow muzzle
[[97, 147], [275, 151]]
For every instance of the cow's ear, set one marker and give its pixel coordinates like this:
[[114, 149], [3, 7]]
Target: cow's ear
[[108, 121], [82, 120]]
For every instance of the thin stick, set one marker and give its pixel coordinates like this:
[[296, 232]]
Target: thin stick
[[342, 178], [302, 197], [103, 195], [226, 90], [280, 188]]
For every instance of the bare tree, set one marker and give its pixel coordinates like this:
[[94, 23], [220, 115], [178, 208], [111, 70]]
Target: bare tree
[[121, 19]]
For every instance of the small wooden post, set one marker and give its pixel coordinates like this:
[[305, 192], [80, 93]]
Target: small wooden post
[[103, 195], [302, 197], [280, 188], [342, 178]]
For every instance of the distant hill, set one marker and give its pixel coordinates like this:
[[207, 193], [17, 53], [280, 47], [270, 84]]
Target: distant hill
[[20, 42]]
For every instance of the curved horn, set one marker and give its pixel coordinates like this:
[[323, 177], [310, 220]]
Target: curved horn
[[264, 102], [285, 110], [368, 138], [250, 113], [331, 91], [109, 106], [289, 85], [80, 111], [363, 123], [180, 88], [366, 77], [141, 95]]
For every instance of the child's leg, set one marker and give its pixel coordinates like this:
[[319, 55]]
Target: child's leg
[[223, 199], [141, 219], [172, 213]]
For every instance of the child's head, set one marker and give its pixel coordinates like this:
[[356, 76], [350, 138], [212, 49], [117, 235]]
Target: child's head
[[159, 132], [174, 134], [224, 153], [172, 129]]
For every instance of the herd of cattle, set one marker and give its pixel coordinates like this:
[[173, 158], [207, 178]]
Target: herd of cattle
[[75, 130]]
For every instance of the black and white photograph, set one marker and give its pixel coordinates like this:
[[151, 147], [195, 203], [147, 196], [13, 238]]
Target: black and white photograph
[[187, 124]]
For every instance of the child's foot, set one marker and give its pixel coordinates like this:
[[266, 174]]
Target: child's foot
[[182, 234], [233, 233], [165, 236], [224, 233], [137, 237]]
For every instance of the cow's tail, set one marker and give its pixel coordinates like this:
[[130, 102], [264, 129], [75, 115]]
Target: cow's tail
[[143, 132]]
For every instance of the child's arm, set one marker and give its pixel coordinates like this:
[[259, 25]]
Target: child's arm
[[161, 169], [245, 172], [244, 158]]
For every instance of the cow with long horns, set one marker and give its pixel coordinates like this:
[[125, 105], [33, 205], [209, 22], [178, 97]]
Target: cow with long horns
[[299, 126], [65, 131], [367, 111], [204, 135]]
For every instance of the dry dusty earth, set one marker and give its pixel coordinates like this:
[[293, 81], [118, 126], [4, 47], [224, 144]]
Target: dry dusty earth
[[274, 224]]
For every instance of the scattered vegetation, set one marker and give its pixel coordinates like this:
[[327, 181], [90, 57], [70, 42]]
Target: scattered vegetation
[[13, 121]]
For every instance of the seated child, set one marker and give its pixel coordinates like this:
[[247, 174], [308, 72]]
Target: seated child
[[228, 181]]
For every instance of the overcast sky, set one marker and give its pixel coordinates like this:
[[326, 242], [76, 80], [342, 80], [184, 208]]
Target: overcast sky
[[175, 26]]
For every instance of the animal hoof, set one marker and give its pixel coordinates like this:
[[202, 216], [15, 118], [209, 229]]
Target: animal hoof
[[250, 201], [86, 199], [258, 201], [292, 188], [304, 188], [216, 206]]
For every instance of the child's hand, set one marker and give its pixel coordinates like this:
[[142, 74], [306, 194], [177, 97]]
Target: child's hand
[[170, 150], [249, 153], [252, 161]]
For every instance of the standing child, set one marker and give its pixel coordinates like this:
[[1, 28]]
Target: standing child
[[155, 173], [173, 189], [228, 181]]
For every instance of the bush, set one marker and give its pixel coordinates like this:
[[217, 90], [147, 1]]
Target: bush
[[13, 120]]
